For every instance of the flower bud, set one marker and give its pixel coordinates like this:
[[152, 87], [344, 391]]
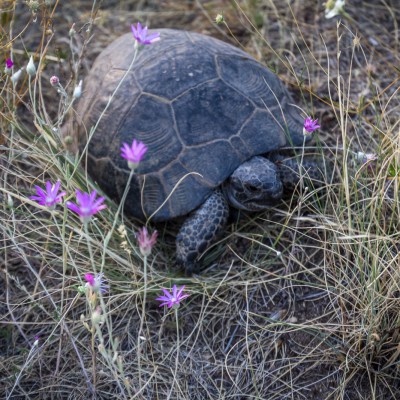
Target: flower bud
[[77, 91], [219, 19], [15, 77], [145, 241], [54, 80], [10, 201], [69, 140], [30, 68], [334, 8], [33, 5], [96, 316], [8, 67], [72, 31]]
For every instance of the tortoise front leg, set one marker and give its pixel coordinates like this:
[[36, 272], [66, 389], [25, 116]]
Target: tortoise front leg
[[201, 229]]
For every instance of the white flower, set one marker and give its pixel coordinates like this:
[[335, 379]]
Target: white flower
[[30, 68], [333, 8], [365, 157]]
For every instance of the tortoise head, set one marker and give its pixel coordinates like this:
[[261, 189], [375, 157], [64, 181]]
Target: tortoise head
[[254, 185]]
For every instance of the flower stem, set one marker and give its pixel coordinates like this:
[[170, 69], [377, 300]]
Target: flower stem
[[93, 343], [143, 316], [177, 341], [122, 202], [93, 129], [177, 349], [85, 226]]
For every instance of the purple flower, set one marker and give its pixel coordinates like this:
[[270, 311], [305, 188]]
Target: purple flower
[[88, 205], [98, 283], [8, 67], [141, 37], [145, 241], [9, 63], [310, 126], [133, 153], [172, 299], [50, 197]]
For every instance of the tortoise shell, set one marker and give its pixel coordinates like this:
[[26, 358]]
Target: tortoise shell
[[202, 107]]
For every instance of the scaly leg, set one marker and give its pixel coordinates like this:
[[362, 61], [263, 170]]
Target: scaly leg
[[201, 229]]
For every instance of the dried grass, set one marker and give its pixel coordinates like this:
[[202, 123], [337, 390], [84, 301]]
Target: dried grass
[[299, 302]]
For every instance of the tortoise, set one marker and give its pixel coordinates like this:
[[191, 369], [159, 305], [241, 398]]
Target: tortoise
[[208, 113]]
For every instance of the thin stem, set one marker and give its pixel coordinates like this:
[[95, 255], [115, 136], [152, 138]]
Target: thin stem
[[143, 316], [93, 345], [177, 341], [93, 129], [85, 226], [122, 202], [177, 349], [301, 164], [64, 258], [31, 354], [32, 95]]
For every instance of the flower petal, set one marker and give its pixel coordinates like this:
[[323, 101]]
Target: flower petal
[[72, 206]]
